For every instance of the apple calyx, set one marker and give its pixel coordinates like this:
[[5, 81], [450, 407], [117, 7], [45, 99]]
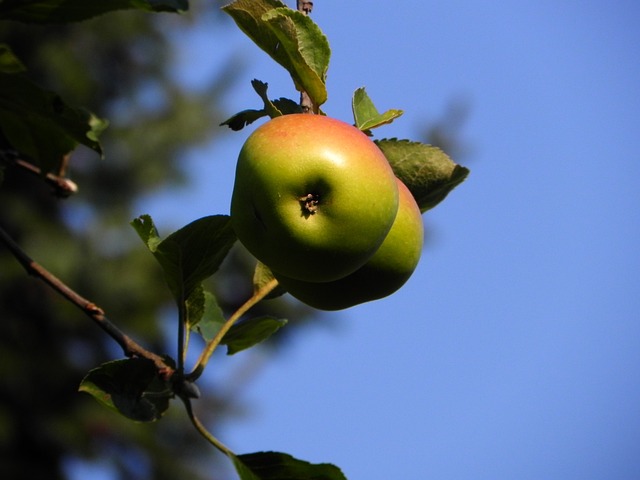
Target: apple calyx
[[309, 203]]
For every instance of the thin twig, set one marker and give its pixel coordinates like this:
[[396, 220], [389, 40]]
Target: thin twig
[[306, 103], [62, 186], [129, 346]]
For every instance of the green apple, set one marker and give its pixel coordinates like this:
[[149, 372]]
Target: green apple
[[313, 197], [388, 269]]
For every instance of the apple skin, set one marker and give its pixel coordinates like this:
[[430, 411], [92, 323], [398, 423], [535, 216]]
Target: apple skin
[[389, 268], [313, 198]]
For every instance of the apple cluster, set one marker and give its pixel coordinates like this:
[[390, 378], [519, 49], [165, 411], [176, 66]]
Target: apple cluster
[[317, 202]]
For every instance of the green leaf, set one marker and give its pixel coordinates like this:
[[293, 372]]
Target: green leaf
[[261, 89], [9, 63], [131, 387], [263, 275], [194, 253], [243, 471], [38, 123], [248, 333], [426, 170], [35, 137], [307, 50], [272, 108], [211, 319], [365, 114], [291, 38], [282, 466], [65, 11], [287, 106], [195, 307], [243, 118], [147, 231]]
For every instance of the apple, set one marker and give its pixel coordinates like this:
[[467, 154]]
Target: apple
[[313, 197], [389, 268]]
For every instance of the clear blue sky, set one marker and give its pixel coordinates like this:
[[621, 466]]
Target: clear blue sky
[[514, 350]]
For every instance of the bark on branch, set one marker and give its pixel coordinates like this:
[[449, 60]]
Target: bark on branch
[[97, 314]]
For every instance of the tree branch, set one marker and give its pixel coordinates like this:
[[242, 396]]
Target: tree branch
[[62, 186], [129, 346], [306, 104]]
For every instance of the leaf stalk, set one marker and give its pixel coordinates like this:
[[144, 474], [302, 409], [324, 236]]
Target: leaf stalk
[[202, 430], [259, 295]]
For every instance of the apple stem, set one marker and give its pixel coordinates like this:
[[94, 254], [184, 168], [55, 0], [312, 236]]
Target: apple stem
[[306, 103]]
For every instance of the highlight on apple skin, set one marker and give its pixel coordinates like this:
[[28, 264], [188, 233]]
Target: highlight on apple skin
[[388, 270], [313, 198]]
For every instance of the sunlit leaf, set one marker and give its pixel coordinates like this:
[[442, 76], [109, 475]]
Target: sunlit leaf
[[366, 115], [147, 231], [307, 50], [211, 319], [426, 170], [195, 306], [263, 275], [291, 38]]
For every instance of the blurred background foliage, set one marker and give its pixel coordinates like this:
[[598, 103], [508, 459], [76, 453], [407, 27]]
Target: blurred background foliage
[[120, 66]]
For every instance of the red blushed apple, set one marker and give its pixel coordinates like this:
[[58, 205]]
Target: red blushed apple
[[389, 268], [313, 198]]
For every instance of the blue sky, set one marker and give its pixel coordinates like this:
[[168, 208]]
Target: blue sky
[[514, 350]]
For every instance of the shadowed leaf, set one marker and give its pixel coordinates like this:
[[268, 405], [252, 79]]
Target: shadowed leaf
[[272, 109], [9, 63], [263, 275], [191, 254], [38, 123], [243, 118], [131, 387], [282, 466], [65, 11], [248, 333]]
